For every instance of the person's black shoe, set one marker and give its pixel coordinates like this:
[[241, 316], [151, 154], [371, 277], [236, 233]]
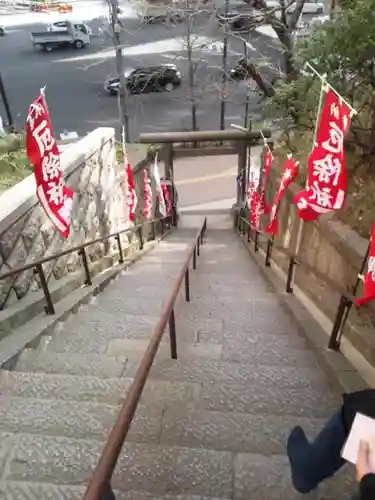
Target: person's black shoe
[[299, 454]]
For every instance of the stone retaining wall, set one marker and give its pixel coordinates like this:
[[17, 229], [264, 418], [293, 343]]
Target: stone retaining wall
[[91, 170], [334, 249]]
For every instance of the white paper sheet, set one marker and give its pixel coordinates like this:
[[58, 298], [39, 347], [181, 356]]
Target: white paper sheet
[[363, 429]]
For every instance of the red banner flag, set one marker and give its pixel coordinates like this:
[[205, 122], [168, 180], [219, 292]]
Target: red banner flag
[[369, 286], [290, 171], [268, 158], [147, 194], [326, 177], [253, 196], [42, 151], [167, 199], [131, 195]]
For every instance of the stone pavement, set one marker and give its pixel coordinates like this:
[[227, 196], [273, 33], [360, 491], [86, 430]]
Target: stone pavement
[[211, 425]]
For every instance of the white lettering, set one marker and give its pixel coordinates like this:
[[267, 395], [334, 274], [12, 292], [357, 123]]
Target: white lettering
[[335, 142], [35, 111], [66, 210], [55, 192], [335, 111], [322, 196], [327, 169], [371, 267], [44, 137], [51, 167]]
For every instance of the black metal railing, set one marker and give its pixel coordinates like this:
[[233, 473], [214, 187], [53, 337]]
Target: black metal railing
[[37, 265], [347, 298]]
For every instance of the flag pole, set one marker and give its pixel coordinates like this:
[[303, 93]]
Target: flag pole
[[323, 79], [292, 261], [43, 92]]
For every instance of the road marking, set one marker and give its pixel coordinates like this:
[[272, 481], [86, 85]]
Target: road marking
[[193, 180]]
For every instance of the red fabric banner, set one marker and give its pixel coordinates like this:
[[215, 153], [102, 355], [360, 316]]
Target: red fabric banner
[[326, 172], [42, 151], [253, 197], [131, 195], [268, 158], [290, 171], [255, 211], [167, 199], [147, 194], [369, 286]]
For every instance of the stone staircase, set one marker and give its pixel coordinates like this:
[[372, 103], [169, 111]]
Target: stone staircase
[[212, 424]]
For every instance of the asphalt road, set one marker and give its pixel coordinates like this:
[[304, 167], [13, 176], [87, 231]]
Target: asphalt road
[[74, 79]]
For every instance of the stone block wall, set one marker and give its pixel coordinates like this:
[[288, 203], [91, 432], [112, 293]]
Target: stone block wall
[[26, 234], [333, 249]]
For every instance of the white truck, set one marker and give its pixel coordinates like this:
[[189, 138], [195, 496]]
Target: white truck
[[158, 12], [75, 34]]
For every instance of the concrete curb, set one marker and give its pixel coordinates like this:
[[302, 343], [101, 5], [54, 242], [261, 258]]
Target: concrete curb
[[30, 334], [340, 371]]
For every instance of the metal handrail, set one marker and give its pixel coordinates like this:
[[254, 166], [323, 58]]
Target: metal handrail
[[347, 298], [299, 260], [37, 265], [101, 478]]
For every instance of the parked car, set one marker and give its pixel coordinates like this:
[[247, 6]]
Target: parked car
[[309, 7], [146, 79], [63, 26]]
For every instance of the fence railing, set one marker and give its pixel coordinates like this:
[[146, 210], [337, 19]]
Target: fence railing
[[37, 265], [100, 487], [347, 298]]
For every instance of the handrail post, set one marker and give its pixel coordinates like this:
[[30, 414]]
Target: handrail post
[[269, 252], [187, 286], [108, 493], [172, 335], [195, 258], [336, 333], [198, 247], [153, 232], [82, 254], [256, 241], [289, 279], [120, 252], [140, 237], [49, 307]]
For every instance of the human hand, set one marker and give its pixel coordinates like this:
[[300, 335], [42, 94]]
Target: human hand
[[363, 465]]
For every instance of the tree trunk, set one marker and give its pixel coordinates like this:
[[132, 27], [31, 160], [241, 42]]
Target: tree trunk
[[193, 105]]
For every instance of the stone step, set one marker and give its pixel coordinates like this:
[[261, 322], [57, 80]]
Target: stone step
[[266, 399], [14, 490], [91, 331], [236, 432], [111, 391], [94, 365], [135, 349], [118, 305], [211, 329], [247, 313], [157, 470], [207, 370], [171, 425], [262, 352], [74, 419]]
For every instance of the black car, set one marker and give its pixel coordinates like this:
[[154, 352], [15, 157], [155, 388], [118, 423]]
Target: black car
[[147, 79]]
